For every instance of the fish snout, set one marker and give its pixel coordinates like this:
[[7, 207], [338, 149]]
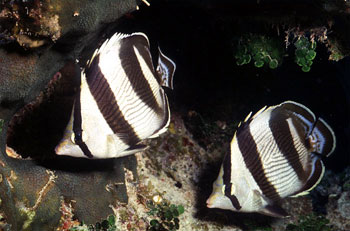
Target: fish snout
[[209, 204]]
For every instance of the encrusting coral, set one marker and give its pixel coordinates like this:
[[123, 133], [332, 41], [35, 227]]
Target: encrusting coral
[[36, 40]]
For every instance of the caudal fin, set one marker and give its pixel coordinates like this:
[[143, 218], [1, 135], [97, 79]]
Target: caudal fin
[[322, 139]]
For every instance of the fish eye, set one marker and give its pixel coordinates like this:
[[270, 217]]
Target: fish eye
[[83, 137]]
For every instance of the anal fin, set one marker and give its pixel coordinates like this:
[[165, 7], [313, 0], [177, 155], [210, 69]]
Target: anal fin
[[133, 149], [257, 200], [270, 209], [137, 147]]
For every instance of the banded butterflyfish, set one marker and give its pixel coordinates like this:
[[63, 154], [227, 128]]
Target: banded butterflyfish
[[276, 153], [121, 100]]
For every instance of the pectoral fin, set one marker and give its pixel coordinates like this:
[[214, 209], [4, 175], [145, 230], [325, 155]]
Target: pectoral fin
[[274, 211], [133, 149], [257, 200]]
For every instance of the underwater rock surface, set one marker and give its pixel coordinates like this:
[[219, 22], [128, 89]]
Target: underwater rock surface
[[37, 38], [64, 27]]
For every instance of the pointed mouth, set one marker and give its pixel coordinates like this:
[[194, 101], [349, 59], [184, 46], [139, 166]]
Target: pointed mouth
[[209, 203], [58, 149]]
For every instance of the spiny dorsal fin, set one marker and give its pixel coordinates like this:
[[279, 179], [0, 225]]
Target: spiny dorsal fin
[[246, 121], [247, 117], [115, 39]]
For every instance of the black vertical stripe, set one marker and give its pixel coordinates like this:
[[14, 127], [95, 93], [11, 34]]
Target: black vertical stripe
[[132, 68], [107, 103], [227, 181], [78, 132], [284, 140], [251, 156]]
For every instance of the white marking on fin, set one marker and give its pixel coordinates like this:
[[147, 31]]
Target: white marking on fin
[[147, 3], [247, 117]]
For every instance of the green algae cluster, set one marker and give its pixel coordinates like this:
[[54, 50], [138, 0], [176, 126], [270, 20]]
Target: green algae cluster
[[268, 51], [310, 222], [263, 50], [305, 53], [166, 216], [105, 225]]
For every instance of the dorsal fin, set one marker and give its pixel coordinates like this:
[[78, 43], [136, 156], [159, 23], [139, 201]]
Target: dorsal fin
[[247, 120], [165, 70], [318, 134], [247, 117], [259, 112], [302, 114]]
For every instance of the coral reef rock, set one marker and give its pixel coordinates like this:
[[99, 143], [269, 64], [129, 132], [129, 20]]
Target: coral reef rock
[[38, 38]]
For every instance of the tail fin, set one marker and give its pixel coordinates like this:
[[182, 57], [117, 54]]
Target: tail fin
[[165, 70], [322, 139]]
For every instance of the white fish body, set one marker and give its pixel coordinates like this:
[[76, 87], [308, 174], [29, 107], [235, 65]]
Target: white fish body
[[274, 154], [121, 100]]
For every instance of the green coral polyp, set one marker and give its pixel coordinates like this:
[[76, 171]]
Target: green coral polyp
[[261, 49], [305, 53], [311, 55], [264, 50], [273, 63], [105, 225], [166, 216], [310, 222], [259, 63]]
